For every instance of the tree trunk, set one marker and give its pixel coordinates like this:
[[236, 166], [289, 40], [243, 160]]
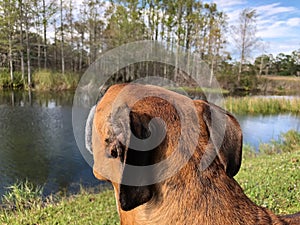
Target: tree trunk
[[39, 56], [28, 53], [62, 38], [10, 51], [261, 66], [81, 51], [55, 45], [26, 22], [22, 42], [72, 34], [45, 34], [240, 71], [11, 68]]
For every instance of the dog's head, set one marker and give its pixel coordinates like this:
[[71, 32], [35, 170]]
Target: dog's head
[[116, 131]]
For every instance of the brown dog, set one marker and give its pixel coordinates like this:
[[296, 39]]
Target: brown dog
[[202, 189]]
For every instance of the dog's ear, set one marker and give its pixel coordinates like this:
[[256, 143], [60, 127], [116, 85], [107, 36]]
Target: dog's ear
[[226, 137], [138, 155]]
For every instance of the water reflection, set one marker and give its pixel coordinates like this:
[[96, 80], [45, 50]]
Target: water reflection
[[29, 98], [37, 142]]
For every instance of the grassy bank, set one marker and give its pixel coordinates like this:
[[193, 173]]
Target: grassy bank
[[197, 91], [269, 178], [259, 105], [44, 80]]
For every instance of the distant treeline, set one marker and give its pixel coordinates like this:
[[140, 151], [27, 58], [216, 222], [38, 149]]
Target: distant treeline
[[64, 37]]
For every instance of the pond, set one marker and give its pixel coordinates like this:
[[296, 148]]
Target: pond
[[263, 129], [37, 141]]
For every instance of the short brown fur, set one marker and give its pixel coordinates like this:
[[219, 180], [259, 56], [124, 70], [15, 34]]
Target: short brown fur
[[192, 196]]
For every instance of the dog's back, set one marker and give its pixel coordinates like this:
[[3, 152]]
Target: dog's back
[[293, 219]]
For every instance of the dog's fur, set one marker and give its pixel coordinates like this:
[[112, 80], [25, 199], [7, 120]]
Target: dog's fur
[[195, 194]]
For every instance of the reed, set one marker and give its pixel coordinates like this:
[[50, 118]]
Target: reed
[[48, 80], [260, 105]]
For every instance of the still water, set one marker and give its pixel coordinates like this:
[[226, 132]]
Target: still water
[[37, 141]]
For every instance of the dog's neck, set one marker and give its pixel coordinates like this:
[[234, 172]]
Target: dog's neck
[[214, 197]]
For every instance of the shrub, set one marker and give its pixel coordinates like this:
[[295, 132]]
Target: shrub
[[5, 81]]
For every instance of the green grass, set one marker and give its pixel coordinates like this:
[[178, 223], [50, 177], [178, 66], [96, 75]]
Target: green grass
[[83, 208], [22, 196], [273, 181], [270, 178], [48, 80], [265, 106]]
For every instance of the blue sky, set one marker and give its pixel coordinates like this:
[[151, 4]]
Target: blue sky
[[278, 22]]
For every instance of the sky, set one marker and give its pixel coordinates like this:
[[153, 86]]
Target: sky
[[278, 23]]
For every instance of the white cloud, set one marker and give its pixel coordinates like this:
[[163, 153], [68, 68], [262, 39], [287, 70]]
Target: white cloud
[[223, 4], [273, 9], [293, 22], [279, 29], [284, 46], [275, 21], [273, 30]]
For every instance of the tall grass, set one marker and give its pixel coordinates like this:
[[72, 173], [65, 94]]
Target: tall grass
[[5, 81], [259, 105], [21, 196], [48, 80], [83, 208]]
